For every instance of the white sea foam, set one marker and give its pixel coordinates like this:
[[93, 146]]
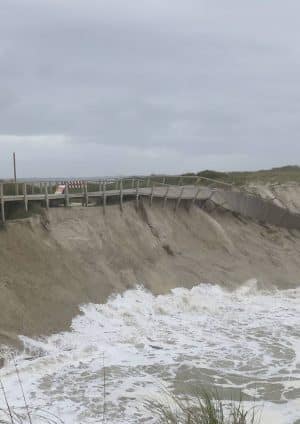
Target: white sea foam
[[246, 340]]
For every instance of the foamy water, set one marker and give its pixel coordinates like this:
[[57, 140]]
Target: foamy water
[[244, 341]]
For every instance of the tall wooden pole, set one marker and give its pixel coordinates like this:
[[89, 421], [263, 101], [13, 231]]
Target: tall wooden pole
[[15, 174], [2, 203], [15, 168]]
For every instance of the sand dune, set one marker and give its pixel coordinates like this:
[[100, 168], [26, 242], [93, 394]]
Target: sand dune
[[51, 264]]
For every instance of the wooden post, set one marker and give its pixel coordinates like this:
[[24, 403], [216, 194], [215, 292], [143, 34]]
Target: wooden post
[[166, 196], [137, 194], [104, 196], [67, 198], [152, 193], [198, 180], [25, 197], [46, 196], [15, 167], [15, 174], [179, 198], [100, 191], [121, 195], [196, 195], [86, 194], [41, 187], [2, 203]]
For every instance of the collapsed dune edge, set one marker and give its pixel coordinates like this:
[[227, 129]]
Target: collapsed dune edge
[[51, 264]]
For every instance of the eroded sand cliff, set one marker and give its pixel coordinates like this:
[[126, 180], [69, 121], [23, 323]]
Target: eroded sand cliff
[[50, 265]]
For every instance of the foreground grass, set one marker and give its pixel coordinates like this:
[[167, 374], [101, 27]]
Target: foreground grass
[[206, 408]]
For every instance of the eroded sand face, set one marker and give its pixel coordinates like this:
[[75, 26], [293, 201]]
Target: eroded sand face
[[284, 195], [83, 256]]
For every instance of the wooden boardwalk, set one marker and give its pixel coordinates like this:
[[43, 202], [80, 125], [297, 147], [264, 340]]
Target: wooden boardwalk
[[118, 190], [93, 192]]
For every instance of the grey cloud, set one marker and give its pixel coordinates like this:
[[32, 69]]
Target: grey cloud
[[194, 77]]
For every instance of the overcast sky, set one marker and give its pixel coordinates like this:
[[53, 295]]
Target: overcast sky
[[94, 87]]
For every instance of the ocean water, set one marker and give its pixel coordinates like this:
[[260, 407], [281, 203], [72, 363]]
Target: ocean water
[[137, 346]]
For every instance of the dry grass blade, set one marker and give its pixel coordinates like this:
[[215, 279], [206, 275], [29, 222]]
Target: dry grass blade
[[205, 408], [104, 392], [22, 390], [47, 417], [7, 404]]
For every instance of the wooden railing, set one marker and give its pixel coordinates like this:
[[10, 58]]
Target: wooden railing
[[11, 188], [83, 191], [90, 192]]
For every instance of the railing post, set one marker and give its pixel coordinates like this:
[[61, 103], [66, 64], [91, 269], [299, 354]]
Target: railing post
[[121, 195], [179, 198], [166, 196], [67, 198], [152, 193], [46, 196], [104, 196], [137, 194], [196, 195], [2, 203], [25, 197], [132, 183], [86, 194]]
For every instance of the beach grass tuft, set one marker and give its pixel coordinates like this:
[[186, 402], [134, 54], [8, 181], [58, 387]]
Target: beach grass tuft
[[204, 408]]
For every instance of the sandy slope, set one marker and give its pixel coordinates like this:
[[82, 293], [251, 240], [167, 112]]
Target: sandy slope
[[284, 195], [48, 268]]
